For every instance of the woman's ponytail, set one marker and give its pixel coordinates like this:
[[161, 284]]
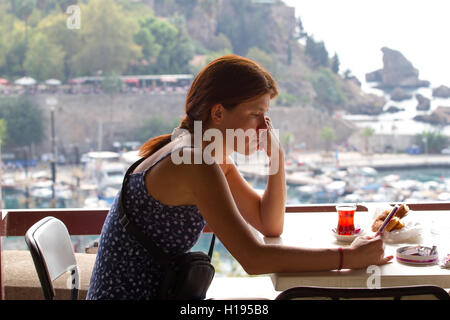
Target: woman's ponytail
[[154, 144]]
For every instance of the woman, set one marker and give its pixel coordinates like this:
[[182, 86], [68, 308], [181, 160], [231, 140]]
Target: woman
[[172, 200]]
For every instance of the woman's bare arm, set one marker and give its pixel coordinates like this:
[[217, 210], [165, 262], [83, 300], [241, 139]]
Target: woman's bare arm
[[214, 199]]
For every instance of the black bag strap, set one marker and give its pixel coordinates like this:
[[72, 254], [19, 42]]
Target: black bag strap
[[133, 229]]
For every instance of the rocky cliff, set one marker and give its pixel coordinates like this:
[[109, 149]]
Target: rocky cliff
[[397, 72]]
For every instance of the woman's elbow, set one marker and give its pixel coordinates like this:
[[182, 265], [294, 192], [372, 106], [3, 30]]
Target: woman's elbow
[[272, 231], [258, 262], [254, 269]]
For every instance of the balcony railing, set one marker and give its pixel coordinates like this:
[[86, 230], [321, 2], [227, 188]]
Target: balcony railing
[[90, 221]]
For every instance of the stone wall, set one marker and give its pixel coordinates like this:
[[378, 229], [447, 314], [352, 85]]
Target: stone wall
[[78, 119], [383, 142]]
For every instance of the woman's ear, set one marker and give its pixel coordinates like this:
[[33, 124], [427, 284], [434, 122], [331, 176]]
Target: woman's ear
[[217, 113]]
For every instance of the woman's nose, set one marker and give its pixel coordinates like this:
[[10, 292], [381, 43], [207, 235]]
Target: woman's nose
[[262, 125]]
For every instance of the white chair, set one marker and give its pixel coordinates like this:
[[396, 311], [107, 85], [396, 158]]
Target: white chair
[[51, 249]]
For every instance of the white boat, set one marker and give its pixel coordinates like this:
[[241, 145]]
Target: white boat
[[110, 175], [104, 169], [130, 157], [337, 187]]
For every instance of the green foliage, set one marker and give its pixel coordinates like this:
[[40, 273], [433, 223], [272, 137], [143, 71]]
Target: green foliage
[[299, 29], [169, 48], [245, 27], [432, 141], [328, 135], [263, 58], [24, 121], [55, 28], [366, 133], [107, 37], [112, 83], [335, 63], [287, 139], [22, 9], [327, 88], [2, 131], [285, 99], [220, 42], [12, 32], [317, 52], [44, 59]]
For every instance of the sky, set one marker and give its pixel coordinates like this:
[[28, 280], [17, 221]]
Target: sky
[[358, 29]]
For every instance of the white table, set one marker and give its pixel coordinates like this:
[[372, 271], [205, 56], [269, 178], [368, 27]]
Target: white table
[[314, 230]]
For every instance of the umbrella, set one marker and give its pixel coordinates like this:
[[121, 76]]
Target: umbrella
[[53, 82], [4, 81], [76, 81], [25, 81]]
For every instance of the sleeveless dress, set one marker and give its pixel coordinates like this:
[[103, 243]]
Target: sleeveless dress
[[124, 269]]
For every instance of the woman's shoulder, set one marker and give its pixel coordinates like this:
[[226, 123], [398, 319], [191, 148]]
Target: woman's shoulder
[[193, 161]]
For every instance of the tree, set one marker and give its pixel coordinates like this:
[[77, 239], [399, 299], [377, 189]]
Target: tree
[[171, 49], [2, 50], [112, 84], [2, 131], [285, 99], [299, 29], [23, 9], [12, 33], [150, 49], [327, 134], [54, 26], [335, 63], [327, 88], [24, 121], [107, 37], [287, 139], [263, 58], [432, 141], [245, 26], [44, 59], [317, 52], [366, 133]]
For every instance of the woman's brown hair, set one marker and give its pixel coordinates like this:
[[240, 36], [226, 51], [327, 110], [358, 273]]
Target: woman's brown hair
[[229, 80]]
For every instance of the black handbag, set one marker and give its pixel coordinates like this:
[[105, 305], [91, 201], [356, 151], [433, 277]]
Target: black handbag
[[187, 276]]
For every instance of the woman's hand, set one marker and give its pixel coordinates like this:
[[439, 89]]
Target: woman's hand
[[267, 140], [366, 251]]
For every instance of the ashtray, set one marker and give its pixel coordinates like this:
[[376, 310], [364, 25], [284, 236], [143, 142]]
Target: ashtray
[[348, 238], [417, 255]]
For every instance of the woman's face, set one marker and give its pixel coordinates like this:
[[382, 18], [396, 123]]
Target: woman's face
[[245, 121]]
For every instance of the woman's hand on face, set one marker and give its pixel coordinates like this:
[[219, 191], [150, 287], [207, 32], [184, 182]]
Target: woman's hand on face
[[268, 141], [368, 251]]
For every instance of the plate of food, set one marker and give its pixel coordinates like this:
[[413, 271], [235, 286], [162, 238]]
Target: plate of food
[[348, 238], [400, 228]]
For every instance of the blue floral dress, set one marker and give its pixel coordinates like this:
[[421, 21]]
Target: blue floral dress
[[123, 268]]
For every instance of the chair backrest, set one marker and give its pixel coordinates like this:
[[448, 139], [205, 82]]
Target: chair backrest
[[395, 293], [51, 249]]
